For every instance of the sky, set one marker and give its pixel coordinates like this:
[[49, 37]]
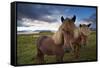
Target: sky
[[31, 17]]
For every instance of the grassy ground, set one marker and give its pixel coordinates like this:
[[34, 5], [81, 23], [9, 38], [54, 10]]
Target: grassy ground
[[26, 50]]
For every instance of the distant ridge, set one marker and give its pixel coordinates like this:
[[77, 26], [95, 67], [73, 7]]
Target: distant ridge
[[33, 32]]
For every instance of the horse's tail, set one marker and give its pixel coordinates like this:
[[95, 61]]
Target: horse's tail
[[39, 41], [39, 52], [39, 56]]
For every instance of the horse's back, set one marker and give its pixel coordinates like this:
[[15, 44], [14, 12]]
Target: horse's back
[[40, 39]]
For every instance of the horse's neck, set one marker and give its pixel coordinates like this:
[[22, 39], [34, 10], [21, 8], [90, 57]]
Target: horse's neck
[[58, 38], [76, 33]]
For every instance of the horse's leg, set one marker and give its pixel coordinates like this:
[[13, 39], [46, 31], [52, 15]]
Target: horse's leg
[[86, 40], [60, 55], [77, 51], [72, 47], [40, 56]]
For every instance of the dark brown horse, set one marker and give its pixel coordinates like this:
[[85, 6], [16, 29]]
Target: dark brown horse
[[54, 45]]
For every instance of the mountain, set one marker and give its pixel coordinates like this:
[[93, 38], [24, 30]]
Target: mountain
[[33, 32], [43, 31]]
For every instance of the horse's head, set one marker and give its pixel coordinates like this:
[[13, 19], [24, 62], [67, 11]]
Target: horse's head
[[68, 27], [84, 29], [68, 24]]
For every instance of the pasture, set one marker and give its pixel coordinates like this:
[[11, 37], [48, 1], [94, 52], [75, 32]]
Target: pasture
[[26, 50]]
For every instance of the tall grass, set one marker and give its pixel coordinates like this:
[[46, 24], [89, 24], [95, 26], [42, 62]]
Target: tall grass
[[26, 50]]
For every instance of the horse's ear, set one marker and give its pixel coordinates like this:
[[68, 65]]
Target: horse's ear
[[80, 25], [62, 19], [74, 18], [88, 25]]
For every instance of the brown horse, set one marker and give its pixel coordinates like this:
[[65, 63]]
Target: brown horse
[[54, 45], [85, 32], [80, 38]]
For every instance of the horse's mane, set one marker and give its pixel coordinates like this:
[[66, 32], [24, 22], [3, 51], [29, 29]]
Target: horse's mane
[[76, 32], [58, 37]]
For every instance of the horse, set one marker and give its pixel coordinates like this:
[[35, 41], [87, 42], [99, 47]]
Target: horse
[[80, 38], [53, 45], [85, 32]]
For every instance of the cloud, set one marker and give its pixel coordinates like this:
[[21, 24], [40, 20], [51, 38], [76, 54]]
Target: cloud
[[36, 16], [47, 13], [24, 22], [39, 25], [91, 18]]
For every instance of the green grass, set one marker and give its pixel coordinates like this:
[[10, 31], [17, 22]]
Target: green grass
[[26, 50]]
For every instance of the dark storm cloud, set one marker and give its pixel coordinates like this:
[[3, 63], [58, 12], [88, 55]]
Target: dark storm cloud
[[39, 12]]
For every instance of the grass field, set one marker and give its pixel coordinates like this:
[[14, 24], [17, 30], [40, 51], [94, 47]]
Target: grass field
[[26, 50]]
